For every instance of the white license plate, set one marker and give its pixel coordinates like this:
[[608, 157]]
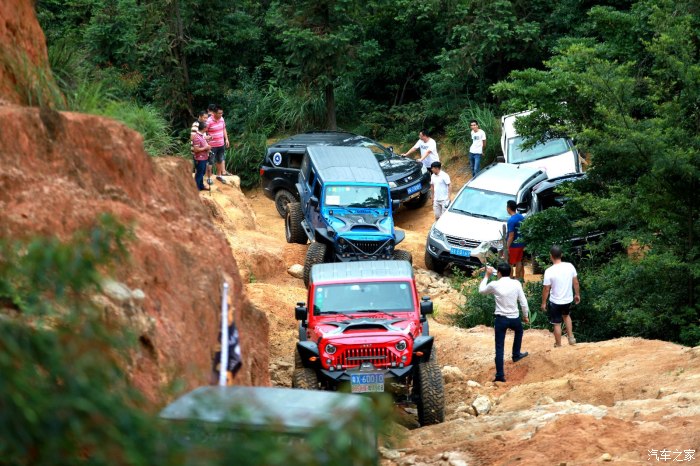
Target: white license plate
[[414, 188], [460, 252], [367, 383]]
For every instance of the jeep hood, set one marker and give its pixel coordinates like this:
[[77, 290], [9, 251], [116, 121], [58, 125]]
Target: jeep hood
[[350, 221], [388, 329], [466, 226], [398, 167]]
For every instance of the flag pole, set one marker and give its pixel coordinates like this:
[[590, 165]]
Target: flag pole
[[223, 364]]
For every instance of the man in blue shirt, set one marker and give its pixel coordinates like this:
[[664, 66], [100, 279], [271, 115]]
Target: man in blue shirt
[[515, 242]]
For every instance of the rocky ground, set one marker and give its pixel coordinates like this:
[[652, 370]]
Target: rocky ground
[[611, 401]]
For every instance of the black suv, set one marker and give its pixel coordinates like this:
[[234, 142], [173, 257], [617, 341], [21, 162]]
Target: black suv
[[345, 209], [408, 180]]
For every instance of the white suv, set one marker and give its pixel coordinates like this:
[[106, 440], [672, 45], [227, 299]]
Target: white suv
[[556, 157], [475, 219]]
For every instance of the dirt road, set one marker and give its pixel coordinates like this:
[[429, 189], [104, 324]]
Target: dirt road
[[620, 400]]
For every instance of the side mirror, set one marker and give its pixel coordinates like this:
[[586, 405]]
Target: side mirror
[[500, 159], [313, 200], [300, 312], [522, 207], [395, 204], [426, 306], [391, 149]]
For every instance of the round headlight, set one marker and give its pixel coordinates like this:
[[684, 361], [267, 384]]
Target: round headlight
[[401, 345], [330, 349]]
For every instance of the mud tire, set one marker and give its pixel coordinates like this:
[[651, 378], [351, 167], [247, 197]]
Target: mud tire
[[305, 379], [429, 390], [293, 230], [434, 264], [401, 255], [282, 199], [316, 254], [298, 364]]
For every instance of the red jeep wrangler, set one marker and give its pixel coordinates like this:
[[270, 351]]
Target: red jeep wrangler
[[365, 330]]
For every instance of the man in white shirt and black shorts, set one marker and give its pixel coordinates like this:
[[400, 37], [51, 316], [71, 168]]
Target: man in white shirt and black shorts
[[508, 293], [440, 186], [561, 287]]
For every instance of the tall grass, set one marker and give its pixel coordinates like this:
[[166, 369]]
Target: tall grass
[[244, 159], [33, 83]]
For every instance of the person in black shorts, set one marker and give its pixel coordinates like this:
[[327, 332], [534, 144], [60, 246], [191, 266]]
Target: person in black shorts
[[561, 288]]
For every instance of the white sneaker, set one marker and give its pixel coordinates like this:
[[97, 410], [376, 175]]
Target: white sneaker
[[572, 340]]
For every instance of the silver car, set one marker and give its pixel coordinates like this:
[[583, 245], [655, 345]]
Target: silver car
[[476, 218]]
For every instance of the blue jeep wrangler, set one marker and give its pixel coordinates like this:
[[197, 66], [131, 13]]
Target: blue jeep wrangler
[[345, 209]]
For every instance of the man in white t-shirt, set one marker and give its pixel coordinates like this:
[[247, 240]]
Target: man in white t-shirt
[[440, 186], [476, 150], [508, 294], [561, 287], [428, 149]]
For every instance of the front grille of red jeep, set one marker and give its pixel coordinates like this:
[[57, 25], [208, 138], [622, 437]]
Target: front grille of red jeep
[[380, 357]]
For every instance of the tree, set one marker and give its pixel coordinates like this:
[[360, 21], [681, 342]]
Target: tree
[[322, 42]]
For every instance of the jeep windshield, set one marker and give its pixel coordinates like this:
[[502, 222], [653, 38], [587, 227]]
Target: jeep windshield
[[552, 147], [484, 204], [363, 297], [364, 197], [379, 151]]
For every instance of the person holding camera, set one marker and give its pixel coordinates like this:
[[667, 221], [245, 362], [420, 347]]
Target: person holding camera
[[440, 186], [508, 294]]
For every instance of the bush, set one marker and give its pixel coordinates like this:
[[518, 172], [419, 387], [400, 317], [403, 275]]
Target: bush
[[244, 159], [541, 231], [644, 297], [147, 120]]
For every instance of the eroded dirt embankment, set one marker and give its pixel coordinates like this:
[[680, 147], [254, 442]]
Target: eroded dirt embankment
[[575, 405]]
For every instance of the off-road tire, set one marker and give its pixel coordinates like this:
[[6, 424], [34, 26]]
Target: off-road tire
[[298, 364], [293, 230], [429, 390], [434, 264], [401, 255], [418, 202], [282, 199], [305, 379], [316, 254]]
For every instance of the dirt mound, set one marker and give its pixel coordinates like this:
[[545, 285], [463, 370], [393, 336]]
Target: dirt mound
[[68, 176]]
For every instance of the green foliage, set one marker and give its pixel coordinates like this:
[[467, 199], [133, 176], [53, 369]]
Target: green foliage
[[541, 231], [148, 121], [245, 157]]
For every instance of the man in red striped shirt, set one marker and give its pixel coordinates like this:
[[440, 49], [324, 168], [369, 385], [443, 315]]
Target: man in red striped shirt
[[216, 128]]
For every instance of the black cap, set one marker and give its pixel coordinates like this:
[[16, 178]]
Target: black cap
[[436, 165]]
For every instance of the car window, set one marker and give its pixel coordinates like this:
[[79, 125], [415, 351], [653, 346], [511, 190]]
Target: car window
[[312, 177], [382, 296], [366, 197], [480, 203], [380, 152], [305, 168], [317, 190], [552, 147], [295, 160]]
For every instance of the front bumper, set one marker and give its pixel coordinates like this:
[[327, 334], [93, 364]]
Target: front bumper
[[441, 251], [402, 192], [343, 376]]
